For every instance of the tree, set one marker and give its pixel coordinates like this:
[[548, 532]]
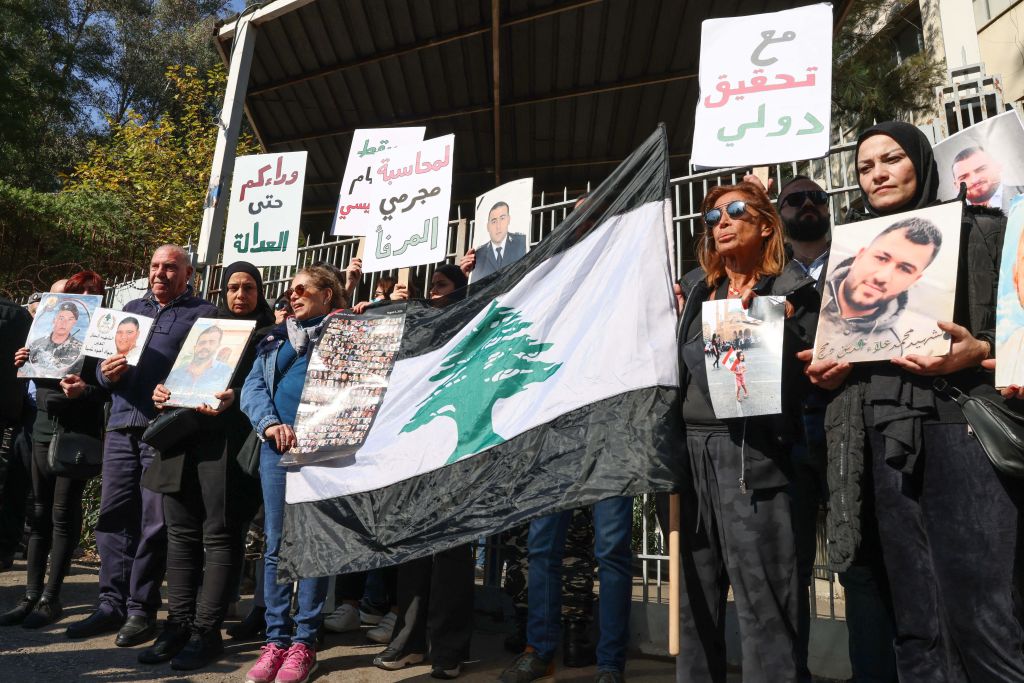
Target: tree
[[496, 360]]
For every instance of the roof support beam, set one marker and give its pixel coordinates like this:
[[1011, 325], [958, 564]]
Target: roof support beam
[[266, 13]]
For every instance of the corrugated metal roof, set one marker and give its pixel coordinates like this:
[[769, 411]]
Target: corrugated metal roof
[[582, 82]]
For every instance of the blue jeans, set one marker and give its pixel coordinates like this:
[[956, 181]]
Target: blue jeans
[[613, 529], [278, 596]]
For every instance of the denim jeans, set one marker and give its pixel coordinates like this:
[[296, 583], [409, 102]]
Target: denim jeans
[[613, 528], [278, 596]]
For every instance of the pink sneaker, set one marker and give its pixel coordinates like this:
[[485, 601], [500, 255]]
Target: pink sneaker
[[266, 667], [299, 663]]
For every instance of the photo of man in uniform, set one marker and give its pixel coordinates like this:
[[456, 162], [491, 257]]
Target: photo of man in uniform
[[204, 375], [982, 174], [54, 354], [503, 248], [866, 297]]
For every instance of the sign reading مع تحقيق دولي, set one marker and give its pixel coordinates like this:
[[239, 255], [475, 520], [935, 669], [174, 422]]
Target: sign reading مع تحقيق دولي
[[356, 195], [765, 88], [266, 205]]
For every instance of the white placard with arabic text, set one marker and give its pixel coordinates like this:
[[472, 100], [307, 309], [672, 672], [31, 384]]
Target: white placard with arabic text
[[410, 206], [765, 88], [265, 209], [369, 146]]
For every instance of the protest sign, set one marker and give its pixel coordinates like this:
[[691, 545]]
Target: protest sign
[[265, 208], [889, 281], [112, 332], [765, 88], [55, 339], [502, 231], [409, 206], [1010, 307], [345, 384], [743, 355], [988, 158], [206, 361], [356, 196]]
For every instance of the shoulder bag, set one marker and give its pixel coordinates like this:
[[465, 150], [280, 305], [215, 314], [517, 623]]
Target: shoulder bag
[[1000, 431], [74, 455]]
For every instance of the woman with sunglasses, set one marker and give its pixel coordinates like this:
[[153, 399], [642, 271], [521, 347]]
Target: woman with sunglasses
[[282, 309], [735, 516], [270, 399], [947, 520]]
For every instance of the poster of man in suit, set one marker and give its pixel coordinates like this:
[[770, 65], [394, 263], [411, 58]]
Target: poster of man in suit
[[986, 160], [502, 232]]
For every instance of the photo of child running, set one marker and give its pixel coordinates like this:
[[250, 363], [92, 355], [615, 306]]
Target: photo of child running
[[739, 371]]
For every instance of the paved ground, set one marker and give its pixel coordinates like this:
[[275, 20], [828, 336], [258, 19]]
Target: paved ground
[[47, 656], [762, 379]]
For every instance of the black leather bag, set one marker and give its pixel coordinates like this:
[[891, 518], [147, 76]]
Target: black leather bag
[[249, 455], [74, 455], [168, 430], [1000, 431]]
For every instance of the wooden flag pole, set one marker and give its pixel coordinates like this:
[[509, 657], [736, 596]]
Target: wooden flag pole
[[360, 247], [673, 574]]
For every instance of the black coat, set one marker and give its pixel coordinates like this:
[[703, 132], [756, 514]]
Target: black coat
[[14, 325]]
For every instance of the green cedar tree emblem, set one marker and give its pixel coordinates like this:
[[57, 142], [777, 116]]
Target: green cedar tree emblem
[[494, 361]]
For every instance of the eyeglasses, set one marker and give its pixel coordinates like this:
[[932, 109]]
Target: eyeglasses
[[300, 290], [735, 209], [794, 199], [281, 305]]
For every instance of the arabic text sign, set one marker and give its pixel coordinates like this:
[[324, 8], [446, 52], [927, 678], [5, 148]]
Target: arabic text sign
[[765, 88], [266, 205], [358, 191], [410, 207], [112, 331]]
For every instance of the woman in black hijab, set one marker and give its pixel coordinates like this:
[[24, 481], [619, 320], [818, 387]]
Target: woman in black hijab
[[947, 520], [208, 500]]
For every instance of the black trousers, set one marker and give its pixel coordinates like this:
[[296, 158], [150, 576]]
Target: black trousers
[[949, 534], [435, 603], [353, 586], [204, 543], [16, 485], [745, 540], [56, 525]]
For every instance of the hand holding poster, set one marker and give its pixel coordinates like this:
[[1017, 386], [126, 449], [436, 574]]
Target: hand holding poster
[[889, 281], [765, 88], [265, 208], [356, 196], [55, 338], [116, 332], [1010, 309], [206, 361], [743, 355], [502, 230], [988, 158]]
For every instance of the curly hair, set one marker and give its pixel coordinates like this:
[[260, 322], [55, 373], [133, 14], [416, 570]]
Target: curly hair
[[773, 252], [324, 278]]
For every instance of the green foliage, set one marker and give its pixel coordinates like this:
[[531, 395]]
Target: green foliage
[[867, 83]]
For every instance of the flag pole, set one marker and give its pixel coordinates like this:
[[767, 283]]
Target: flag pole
[[673, 574]]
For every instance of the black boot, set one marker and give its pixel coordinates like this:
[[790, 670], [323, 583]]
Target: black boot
[[19, 612], [203, 647], [577, 647], [136, 631], [47, 611], [168, 644], [252, 626]]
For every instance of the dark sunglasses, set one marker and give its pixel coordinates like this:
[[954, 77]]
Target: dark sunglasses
[[300, 291], [735, 209], [818, 197], [281, 305]]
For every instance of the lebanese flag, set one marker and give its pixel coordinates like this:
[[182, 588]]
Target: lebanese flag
[[554, 384], [727, 358]]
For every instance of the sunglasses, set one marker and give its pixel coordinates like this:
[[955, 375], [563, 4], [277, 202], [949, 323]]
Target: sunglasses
[[794, 199], [281, 305], [736, 209], [300, 290]]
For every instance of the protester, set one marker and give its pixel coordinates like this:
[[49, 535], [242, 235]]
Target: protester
[[73, 405], [130, 534], [282, 309], [270, 399], [735, 521], [804, 209], [890, 432], [206, 500], [16, 419]]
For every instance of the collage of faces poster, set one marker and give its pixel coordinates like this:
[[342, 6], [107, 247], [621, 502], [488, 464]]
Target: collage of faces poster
[[987, 158], [889, 281], [1010, 307], [116, 332], [345, 384], [502, 230], [57, 333], [743, 355], [207, 361]]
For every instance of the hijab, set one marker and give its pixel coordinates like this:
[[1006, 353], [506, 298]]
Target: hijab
[[919, 151], [458, 278], [263, 314]]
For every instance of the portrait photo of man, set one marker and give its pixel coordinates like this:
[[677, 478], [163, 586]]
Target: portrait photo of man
[[127, 335], [873, 305], [983, 175], [203, 375], [503, 247], [54, 354]]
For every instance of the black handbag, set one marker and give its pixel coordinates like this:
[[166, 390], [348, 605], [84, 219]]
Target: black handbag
[[168, 430], [1000, 431], [249, 455], [74, 455]]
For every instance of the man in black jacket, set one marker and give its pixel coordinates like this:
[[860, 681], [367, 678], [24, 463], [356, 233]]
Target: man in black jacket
[[14, 325]]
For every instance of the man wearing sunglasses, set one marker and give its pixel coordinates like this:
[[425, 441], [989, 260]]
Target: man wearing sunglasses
[[803, 206]]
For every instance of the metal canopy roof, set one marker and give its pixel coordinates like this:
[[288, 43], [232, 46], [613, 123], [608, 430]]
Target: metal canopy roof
[[580, 83]]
